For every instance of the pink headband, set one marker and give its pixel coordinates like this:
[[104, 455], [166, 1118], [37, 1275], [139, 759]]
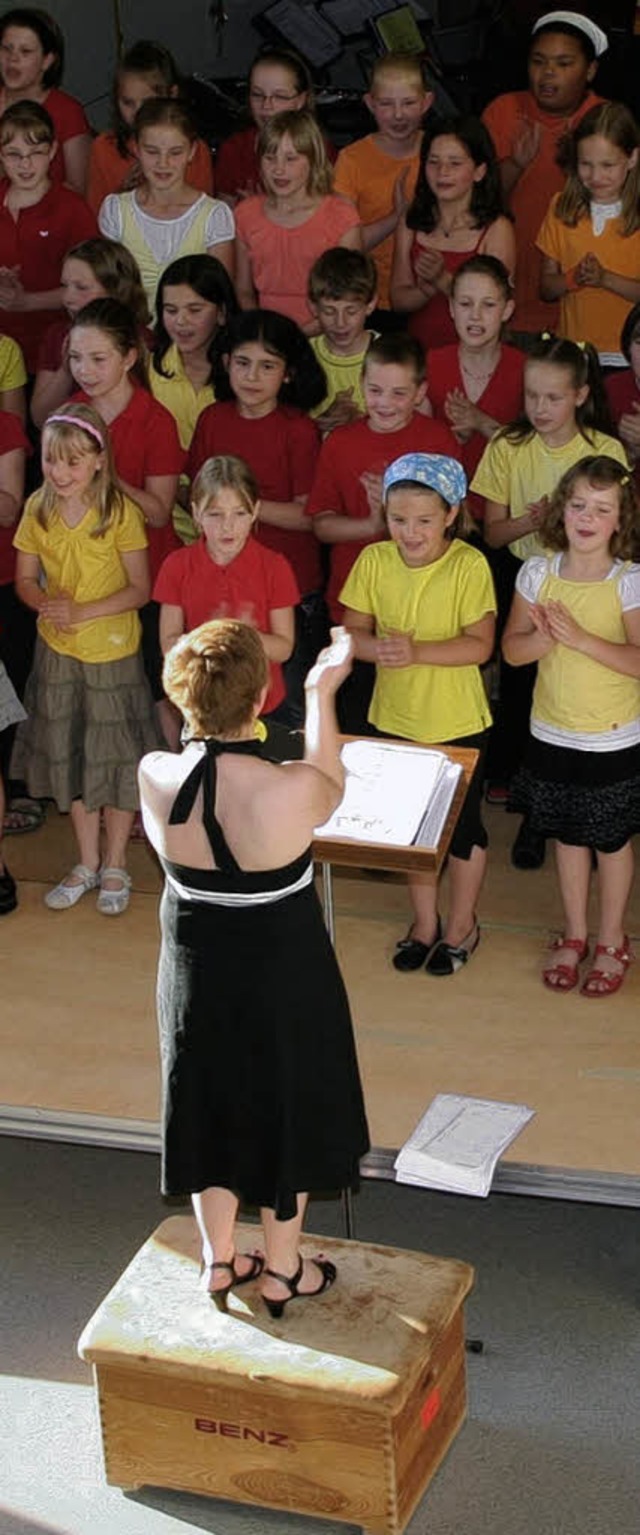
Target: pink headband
[[87, 426]]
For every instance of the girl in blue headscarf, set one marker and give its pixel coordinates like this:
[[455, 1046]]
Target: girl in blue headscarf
[[421, 606]]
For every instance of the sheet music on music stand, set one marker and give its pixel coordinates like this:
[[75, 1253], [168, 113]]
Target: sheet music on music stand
[[304, 28], [394, 793]]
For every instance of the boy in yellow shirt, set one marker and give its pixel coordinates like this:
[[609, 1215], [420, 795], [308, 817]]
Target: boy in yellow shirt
[[342, 293]]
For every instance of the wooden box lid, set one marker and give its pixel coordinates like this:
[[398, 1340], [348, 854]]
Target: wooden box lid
[[366, 1341]]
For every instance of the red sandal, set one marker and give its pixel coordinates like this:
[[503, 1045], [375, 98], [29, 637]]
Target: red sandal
[[563, 977], [603, 983]]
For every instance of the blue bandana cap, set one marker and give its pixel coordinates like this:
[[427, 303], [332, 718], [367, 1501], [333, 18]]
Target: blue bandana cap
[[433, 470]]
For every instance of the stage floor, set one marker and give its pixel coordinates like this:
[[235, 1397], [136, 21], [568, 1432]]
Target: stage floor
[[78, 1043]]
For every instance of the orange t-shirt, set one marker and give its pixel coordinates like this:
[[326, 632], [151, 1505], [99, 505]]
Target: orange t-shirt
[[108, 169], [367, 175], [586, 313], [505, 117]]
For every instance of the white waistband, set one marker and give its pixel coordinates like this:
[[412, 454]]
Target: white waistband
[[238, 898]]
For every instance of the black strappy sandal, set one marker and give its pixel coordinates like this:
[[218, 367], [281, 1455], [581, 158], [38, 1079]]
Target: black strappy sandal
[[329, 1274], [219, 1297]]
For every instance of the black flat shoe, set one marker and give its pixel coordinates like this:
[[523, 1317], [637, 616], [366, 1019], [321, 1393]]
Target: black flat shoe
[[529, 848], [8, 893], [328, 1272], [411, 954], [446, 958]]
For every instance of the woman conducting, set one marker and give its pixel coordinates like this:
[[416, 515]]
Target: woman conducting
[[262, 1095]]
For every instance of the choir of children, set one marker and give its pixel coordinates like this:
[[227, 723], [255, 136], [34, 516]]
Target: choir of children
[[376, 363]]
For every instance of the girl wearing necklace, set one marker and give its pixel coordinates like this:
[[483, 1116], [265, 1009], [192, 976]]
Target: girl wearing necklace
[[476, 384], [456, 213]]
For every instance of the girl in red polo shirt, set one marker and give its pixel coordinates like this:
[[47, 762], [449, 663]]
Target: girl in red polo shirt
[[31, 66], [266, 376], [39, 222], [107, 361], [96, 268], [477, 384], [227, 573]]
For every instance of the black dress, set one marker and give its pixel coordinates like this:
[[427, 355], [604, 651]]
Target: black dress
[[261, 1087]]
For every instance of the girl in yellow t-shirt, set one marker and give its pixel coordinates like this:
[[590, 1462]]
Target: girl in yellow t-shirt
[[90, 714], [565, 417], [577, 613], [421, 605], [590, 238]]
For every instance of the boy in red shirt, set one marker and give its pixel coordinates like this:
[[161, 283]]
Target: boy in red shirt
[[346, 496], [39, 222]]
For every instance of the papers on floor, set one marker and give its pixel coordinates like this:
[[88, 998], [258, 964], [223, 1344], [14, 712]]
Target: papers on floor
[[457, 1143], [393, 793]]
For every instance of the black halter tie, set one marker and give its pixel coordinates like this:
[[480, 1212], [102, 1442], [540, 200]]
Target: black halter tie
[[205, 773]]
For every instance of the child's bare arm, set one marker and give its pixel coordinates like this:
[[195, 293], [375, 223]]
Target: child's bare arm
[[158, 498], [361, 627], [171, 625], [11, 486], [526, 637], [286, 514], [500, 528], [623, 658], [245, 290], [278, 643], [554, 283]]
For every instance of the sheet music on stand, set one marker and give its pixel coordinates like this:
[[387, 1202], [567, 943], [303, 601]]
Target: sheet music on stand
[[394, 793], [304, 28], [458, 1142]]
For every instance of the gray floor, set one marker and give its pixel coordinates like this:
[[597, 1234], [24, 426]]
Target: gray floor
[[552, 1440]]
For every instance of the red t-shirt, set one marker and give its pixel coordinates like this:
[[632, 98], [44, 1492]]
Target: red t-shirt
[[255, 583], [11, 436], [282, 450], [623, 394], [237, 167], [37, 243], [144, 441], [345, 455], [502, 399], [69, 120], [433, 324]]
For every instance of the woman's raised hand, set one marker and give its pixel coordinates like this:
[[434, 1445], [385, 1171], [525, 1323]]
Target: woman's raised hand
[[333, 663]]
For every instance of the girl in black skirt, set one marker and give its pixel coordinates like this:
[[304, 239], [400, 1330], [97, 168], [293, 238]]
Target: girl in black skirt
[[576, 612]]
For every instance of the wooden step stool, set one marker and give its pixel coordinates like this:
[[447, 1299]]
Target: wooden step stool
[[343, 1409]]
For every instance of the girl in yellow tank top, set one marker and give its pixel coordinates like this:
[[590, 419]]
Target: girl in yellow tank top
[[576, 611]]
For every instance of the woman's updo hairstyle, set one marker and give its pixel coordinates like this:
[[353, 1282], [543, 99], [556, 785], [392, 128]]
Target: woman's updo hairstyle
[[215, 676]]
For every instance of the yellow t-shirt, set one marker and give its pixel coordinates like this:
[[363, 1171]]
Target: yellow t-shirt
[[517, 473], [341, 372], [13, 374], [586, 313], [179, 395], [90, 569], [431, 602], [186, 403], [574, 693]]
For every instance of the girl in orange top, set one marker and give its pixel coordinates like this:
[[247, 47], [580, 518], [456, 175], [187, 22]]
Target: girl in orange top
[[590, 238], [146, 69]]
